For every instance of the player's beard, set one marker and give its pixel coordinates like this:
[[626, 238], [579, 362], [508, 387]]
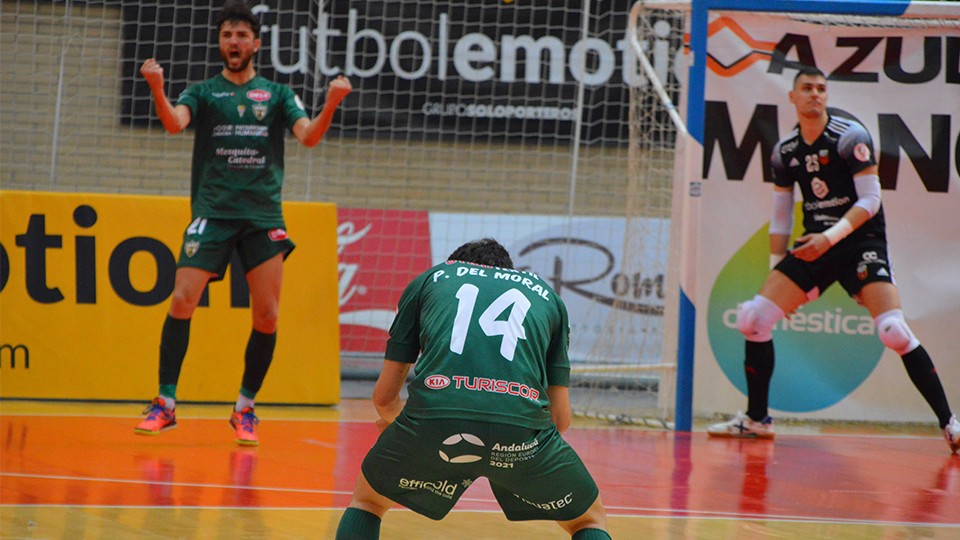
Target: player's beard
[[244, 61]]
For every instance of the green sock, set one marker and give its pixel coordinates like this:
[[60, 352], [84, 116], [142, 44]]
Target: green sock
[[591, 534], [356, 524], [168, 390]]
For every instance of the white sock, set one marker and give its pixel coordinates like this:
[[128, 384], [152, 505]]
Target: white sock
[[169, 403], [242, 403]]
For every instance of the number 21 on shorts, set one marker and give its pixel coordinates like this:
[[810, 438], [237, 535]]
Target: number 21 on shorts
[[197, 226]]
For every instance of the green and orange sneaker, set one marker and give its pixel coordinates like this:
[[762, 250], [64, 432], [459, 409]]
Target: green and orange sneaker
[[244, 423], [159, 418]]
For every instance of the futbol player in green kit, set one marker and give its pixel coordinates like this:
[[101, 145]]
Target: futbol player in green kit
[[489, 398], [240, 120]]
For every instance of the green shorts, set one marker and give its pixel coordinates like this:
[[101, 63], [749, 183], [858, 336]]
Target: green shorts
[[209, 243], [427, 464]]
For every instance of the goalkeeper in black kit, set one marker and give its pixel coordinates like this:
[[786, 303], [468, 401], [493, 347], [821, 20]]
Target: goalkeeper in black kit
[[830, 156]]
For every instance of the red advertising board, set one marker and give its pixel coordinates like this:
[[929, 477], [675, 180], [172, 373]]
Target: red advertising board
[[380, 251]]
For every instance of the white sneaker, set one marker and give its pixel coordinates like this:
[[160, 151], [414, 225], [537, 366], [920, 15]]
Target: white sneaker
[[952, 434], [742, 426]]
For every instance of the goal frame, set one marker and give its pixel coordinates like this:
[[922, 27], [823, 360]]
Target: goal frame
[[686, 186]]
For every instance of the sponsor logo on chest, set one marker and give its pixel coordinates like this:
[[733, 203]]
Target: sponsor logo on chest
[[258, 95], [259, 108]]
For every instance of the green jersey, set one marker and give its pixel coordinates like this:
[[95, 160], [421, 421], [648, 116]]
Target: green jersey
[[489, 341], [238, 146]]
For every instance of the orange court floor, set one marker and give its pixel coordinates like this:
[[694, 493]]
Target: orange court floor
[[77, 470]]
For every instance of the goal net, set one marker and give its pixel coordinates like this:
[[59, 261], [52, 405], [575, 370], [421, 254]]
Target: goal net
[[632, 377], [468, 119], [889, 64], [663, 154]]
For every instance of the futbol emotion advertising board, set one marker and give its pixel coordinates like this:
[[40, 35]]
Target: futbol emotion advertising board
[[478, 69]]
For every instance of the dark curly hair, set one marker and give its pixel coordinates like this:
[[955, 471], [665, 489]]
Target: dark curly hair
[[485, 251], [238, 11]]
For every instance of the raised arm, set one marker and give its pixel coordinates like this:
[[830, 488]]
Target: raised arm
[[174, 119], [309, 132]]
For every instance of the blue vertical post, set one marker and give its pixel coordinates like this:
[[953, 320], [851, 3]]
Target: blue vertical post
[[685, 341]]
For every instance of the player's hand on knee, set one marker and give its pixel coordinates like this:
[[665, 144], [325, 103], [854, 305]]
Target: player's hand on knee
[[810, 247]]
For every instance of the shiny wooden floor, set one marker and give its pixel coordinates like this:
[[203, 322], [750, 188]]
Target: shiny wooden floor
[[72, 470]]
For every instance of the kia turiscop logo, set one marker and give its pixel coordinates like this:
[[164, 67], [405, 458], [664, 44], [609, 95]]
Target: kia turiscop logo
[[437, 382]]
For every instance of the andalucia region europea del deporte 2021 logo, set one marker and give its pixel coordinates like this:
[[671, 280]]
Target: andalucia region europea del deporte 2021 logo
[[824, 350]]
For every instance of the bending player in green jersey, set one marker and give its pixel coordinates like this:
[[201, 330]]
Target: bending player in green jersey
[[240, 120], [489, 398]]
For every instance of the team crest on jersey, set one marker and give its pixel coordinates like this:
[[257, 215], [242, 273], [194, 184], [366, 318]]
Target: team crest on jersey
[[241, 109], [277, 234], [191, 247], [259, 110], [824, 156], [861, 152], [258, 95]]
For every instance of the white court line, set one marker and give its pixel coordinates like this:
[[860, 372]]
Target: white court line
[[172, 484], [197, 485], [690, 516], [577, 428], [646, 512]]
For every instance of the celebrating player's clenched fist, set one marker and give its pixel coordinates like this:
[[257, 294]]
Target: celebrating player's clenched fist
[[339, 88], [152, 72]]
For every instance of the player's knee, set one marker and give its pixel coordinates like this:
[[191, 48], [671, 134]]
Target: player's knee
[[366, 498], [183, 304], [594, 519], [265, 319], [895, 333], [757, 317]]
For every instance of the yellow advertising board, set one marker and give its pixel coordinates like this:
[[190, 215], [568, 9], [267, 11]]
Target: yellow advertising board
[[85, 281]]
